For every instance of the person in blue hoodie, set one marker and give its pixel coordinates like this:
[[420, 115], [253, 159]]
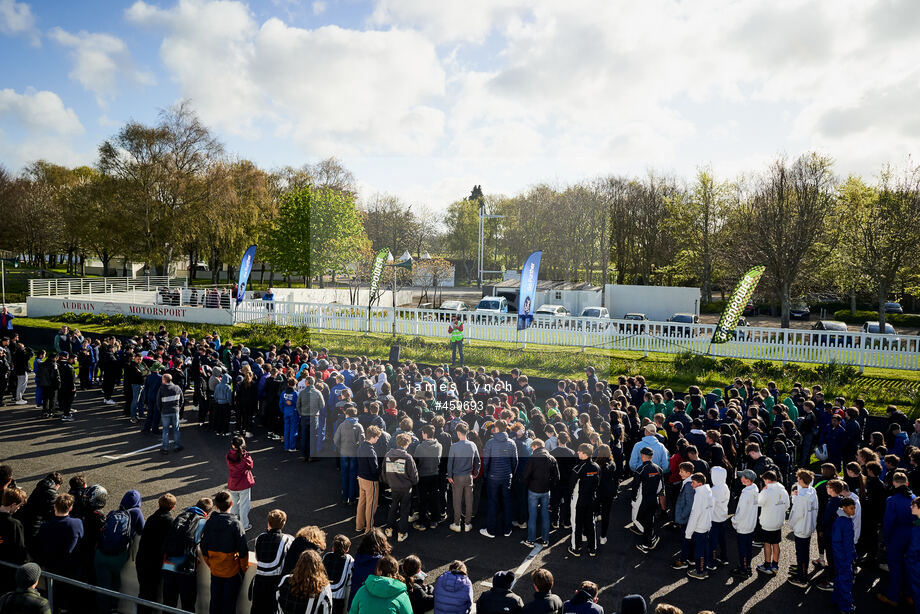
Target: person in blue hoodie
[[453, 591], [650, 440], [682, 508], [896, 533], [843, 545], [499, 461], [912, 557], [223, 397], [899, 439], [287, 402], [584, 601]]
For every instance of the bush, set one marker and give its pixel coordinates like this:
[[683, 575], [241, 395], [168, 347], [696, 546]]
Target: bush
[[895, 319], [734, 367], [713, 307], [768, 370], [694, 364]]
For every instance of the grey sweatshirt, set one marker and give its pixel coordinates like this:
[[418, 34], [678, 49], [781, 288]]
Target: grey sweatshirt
[[463, 459], [428, 457]]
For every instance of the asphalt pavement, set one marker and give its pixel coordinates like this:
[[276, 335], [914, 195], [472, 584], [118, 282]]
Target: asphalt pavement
[[101, 443]]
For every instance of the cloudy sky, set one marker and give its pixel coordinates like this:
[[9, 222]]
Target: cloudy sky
[[424, 98]]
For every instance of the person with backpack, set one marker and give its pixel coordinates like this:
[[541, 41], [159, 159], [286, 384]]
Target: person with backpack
[[149, 557], [226, 553], [240, 482], [271, 550], [180, 555], [114, 548]]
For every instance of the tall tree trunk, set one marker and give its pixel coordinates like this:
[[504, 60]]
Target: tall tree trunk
[[192, 265], [853, 301], [882, 299], [786, 303]]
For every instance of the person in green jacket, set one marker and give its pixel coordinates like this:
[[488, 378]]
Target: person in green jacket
[[647, 409], [384, 592]]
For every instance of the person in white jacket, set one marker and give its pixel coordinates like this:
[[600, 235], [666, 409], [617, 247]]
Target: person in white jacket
[[745, 521], [720, 496], [773, 501], [803, 519], [698, 526]]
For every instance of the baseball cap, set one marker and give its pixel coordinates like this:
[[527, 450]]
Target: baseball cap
[[747, 473]]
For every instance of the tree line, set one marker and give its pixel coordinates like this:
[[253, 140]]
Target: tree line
[[169, 191]]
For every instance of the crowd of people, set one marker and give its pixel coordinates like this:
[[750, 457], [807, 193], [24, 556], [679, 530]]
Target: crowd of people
[[420, 446]]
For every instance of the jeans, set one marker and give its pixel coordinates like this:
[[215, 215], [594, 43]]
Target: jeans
[[349, 478], [180, 587], [701, 553], [745, 548], [291, 424], [802, 550], [807, 445], [241, 503], [170, 421], [499, 488], [456, 346], [224, 593], [535, 501], [717, 540], [309, 431], [136, 390]]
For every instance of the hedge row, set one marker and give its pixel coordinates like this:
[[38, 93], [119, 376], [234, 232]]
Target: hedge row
[[895, 319]]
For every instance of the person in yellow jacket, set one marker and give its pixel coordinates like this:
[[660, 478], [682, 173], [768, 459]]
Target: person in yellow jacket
[[455, 334]]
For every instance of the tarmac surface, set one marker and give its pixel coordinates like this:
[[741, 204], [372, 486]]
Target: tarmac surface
[[101, 443]]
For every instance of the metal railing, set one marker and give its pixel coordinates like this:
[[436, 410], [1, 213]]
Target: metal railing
[[98, 285], [52, 578], [755, 343]]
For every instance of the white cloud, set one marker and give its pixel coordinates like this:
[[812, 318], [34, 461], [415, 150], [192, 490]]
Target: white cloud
[[16, 18], [99, 60], [40, 112], [331, 89]]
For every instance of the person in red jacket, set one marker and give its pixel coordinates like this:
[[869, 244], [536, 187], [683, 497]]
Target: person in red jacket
[[240, 482]]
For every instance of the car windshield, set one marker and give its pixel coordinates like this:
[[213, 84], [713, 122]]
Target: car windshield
[[451, 305], [547, 310], [684, 319], [895, 305], [488, 305], [633, 316], [591, 313]]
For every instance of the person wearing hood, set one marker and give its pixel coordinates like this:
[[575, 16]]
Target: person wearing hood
[[843, 546], [428, 460], [803, 519], [745, 521], [584, 601], [650, 440], [896, 529], [114, 547], [287, 403], [240, 480], [384, 592], [400, 474], [698, 526], [499, 462], [370, 552], [453, 591], [500, 599], [720, 497], [633, 604], [223, 397], [773, 501]]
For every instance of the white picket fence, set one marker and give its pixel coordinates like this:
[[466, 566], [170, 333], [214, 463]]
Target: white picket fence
[[785, 345], [69, 286]]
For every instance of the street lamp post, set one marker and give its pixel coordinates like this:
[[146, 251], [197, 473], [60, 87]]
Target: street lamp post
[[482, 225]]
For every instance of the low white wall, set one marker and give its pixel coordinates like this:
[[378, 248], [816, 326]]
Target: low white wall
[[39, 307], [657, 302], [341, 296]]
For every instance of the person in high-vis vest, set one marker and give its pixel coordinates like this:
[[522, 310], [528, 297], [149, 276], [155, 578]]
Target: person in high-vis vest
[[455, 333]]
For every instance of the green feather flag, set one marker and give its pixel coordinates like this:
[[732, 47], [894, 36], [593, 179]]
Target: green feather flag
[[744, 290]]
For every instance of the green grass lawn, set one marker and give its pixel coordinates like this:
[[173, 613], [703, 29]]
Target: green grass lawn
[[880, 387]]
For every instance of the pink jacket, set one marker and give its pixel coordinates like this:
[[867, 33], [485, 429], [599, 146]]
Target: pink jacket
[[240, 471]]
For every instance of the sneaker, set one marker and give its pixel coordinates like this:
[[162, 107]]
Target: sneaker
[[456, 528], [766, 569], [799, 581], [819, 562], [711, 567], [592, 552], [518, 524], [527, 543], [418, 526], [642, 548], [413, 517], [883, 566], [603, 540], [133, 421], [827, 585], [679, 564], [574, 552], [402, 537], [654, 543], [697, 575], [22, 402], [635, 529], [542, 542], [432, 525], [467, 528], [508, 534], [388, 532], [485, 533]]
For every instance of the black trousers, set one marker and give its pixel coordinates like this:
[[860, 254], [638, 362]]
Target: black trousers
[[399, 506], [109, 379], [264, 600], [180, 587], [429, 507], [65, 401], [48, 398], [584, 526], [646, 517], [149, 580]]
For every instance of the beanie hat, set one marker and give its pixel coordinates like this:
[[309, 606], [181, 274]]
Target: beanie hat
[[633, 604], [502, 579], [27, 575]]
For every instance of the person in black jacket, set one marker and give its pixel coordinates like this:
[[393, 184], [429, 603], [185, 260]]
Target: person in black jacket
[[500, 599], [368, 480], [544, 601], [68, 387], [150, 550], [421, 595], [12, 537], [540, 475], [646, 489], [584, 482], [606, 489], [560, 496], [48, 378], [39, 507]]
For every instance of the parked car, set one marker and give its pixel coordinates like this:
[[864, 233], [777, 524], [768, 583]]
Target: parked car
[[876, 343], [832, 339], [799, 311], [558, 311], [595, 312], [893, 308], [457, 306], [493, 304], [682, 318], [635, 324]]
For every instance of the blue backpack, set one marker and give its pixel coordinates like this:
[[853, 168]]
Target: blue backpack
[[116, 533]]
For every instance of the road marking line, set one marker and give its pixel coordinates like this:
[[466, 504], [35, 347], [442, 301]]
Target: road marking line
[[526, 563], [121, 456]]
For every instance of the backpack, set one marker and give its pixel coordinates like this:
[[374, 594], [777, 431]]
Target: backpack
[[116, 533], [180, 539]]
